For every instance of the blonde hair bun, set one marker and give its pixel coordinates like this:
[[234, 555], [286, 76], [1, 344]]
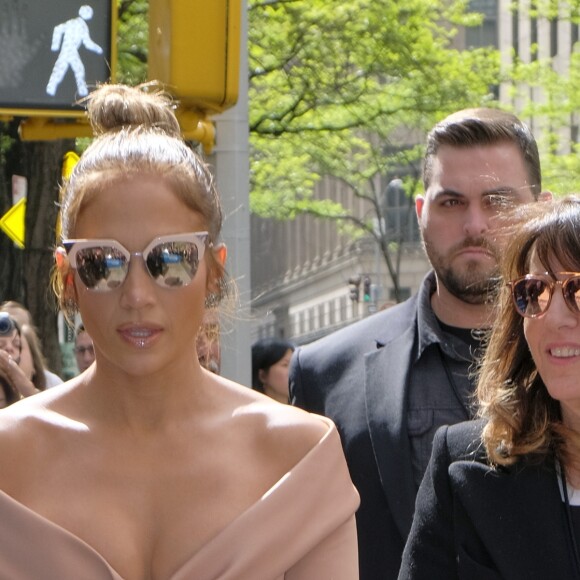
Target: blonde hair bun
[[115, 107]]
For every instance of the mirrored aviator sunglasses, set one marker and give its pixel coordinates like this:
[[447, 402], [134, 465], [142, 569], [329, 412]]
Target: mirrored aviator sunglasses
[[533, 293], [172, 261]]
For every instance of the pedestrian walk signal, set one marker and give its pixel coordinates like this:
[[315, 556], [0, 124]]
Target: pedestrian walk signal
[[52, 53]]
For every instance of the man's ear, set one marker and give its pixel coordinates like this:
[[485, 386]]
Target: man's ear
[[546, 196], [419, 203]]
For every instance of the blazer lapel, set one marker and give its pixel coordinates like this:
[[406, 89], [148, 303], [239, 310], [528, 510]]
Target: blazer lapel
[[518, 511], [385, 396]]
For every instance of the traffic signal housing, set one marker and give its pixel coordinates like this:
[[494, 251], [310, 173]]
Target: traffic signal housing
[[53, 54], [367, 289], [354, 288], [194, 50]]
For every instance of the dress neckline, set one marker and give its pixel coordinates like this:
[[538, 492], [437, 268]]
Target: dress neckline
[[81, 544]]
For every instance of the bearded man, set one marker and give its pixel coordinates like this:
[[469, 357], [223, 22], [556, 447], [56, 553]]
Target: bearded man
[[390, 380]]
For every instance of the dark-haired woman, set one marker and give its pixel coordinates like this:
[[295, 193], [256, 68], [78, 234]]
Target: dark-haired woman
[[270, 366]]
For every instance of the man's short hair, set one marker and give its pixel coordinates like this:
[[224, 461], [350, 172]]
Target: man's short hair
[[484, 126]]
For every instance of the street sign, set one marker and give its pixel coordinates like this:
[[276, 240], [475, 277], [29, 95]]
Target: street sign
[[52, 53], [12, 222], [69, 161]]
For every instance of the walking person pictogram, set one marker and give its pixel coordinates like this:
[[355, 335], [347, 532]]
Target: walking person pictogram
[[68, 38]]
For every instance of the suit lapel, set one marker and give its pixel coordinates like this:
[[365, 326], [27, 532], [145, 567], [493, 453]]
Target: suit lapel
[[520, 510], [385, 396]]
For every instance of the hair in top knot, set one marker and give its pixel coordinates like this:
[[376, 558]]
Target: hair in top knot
[[115, 107], [137, 135]]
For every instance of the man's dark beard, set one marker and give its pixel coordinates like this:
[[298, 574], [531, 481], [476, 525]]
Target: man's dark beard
[[471, 287]]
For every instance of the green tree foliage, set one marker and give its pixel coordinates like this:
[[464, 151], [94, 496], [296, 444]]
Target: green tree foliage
[[133, 35], [348, 89]]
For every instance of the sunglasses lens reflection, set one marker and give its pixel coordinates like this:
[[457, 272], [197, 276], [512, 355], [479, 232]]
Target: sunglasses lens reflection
[[531, 296], [173, 264], [101, 268], [572, 292]]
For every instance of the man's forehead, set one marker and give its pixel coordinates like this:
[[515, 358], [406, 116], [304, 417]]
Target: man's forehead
[[497, 166], [492, 152]]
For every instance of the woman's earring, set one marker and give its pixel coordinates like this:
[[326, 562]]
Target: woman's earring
[[212, 300], [70, 303]]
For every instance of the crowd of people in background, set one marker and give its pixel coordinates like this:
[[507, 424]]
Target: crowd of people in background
[[458, 411], [23, 366], [83, 349]]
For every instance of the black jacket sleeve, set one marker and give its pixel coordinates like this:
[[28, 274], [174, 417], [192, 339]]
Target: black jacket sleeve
[[430, 549]]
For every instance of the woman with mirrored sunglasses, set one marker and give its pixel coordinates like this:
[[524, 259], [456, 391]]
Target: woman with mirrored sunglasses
[[147, 465], [501, 495]]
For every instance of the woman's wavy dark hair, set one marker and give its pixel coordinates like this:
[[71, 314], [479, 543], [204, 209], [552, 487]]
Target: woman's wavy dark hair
[[523, 419]]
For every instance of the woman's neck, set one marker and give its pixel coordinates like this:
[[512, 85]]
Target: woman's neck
[[145, 402], [275, 395]]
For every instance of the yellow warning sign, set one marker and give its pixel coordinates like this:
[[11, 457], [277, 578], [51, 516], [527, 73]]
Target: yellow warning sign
[[12, 222], [69, 162], [70, 159]]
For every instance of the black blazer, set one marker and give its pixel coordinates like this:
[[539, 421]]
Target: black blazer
[[477, 523], [357, 377]]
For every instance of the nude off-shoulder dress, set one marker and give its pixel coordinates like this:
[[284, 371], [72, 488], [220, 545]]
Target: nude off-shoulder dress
[[303, 528]]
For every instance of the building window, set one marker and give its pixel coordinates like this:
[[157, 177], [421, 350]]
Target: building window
[[553, 38], [294, 324], [320, 318], [342, 306], [331, 313], [534, 39], [301, 324], [312, 322], [516, 32], [399, 214], [573, 132], [486, 33]]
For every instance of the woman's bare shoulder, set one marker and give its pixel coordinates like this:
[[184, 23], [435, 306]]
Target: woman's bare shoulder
[[24, 425], [274, 425]]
